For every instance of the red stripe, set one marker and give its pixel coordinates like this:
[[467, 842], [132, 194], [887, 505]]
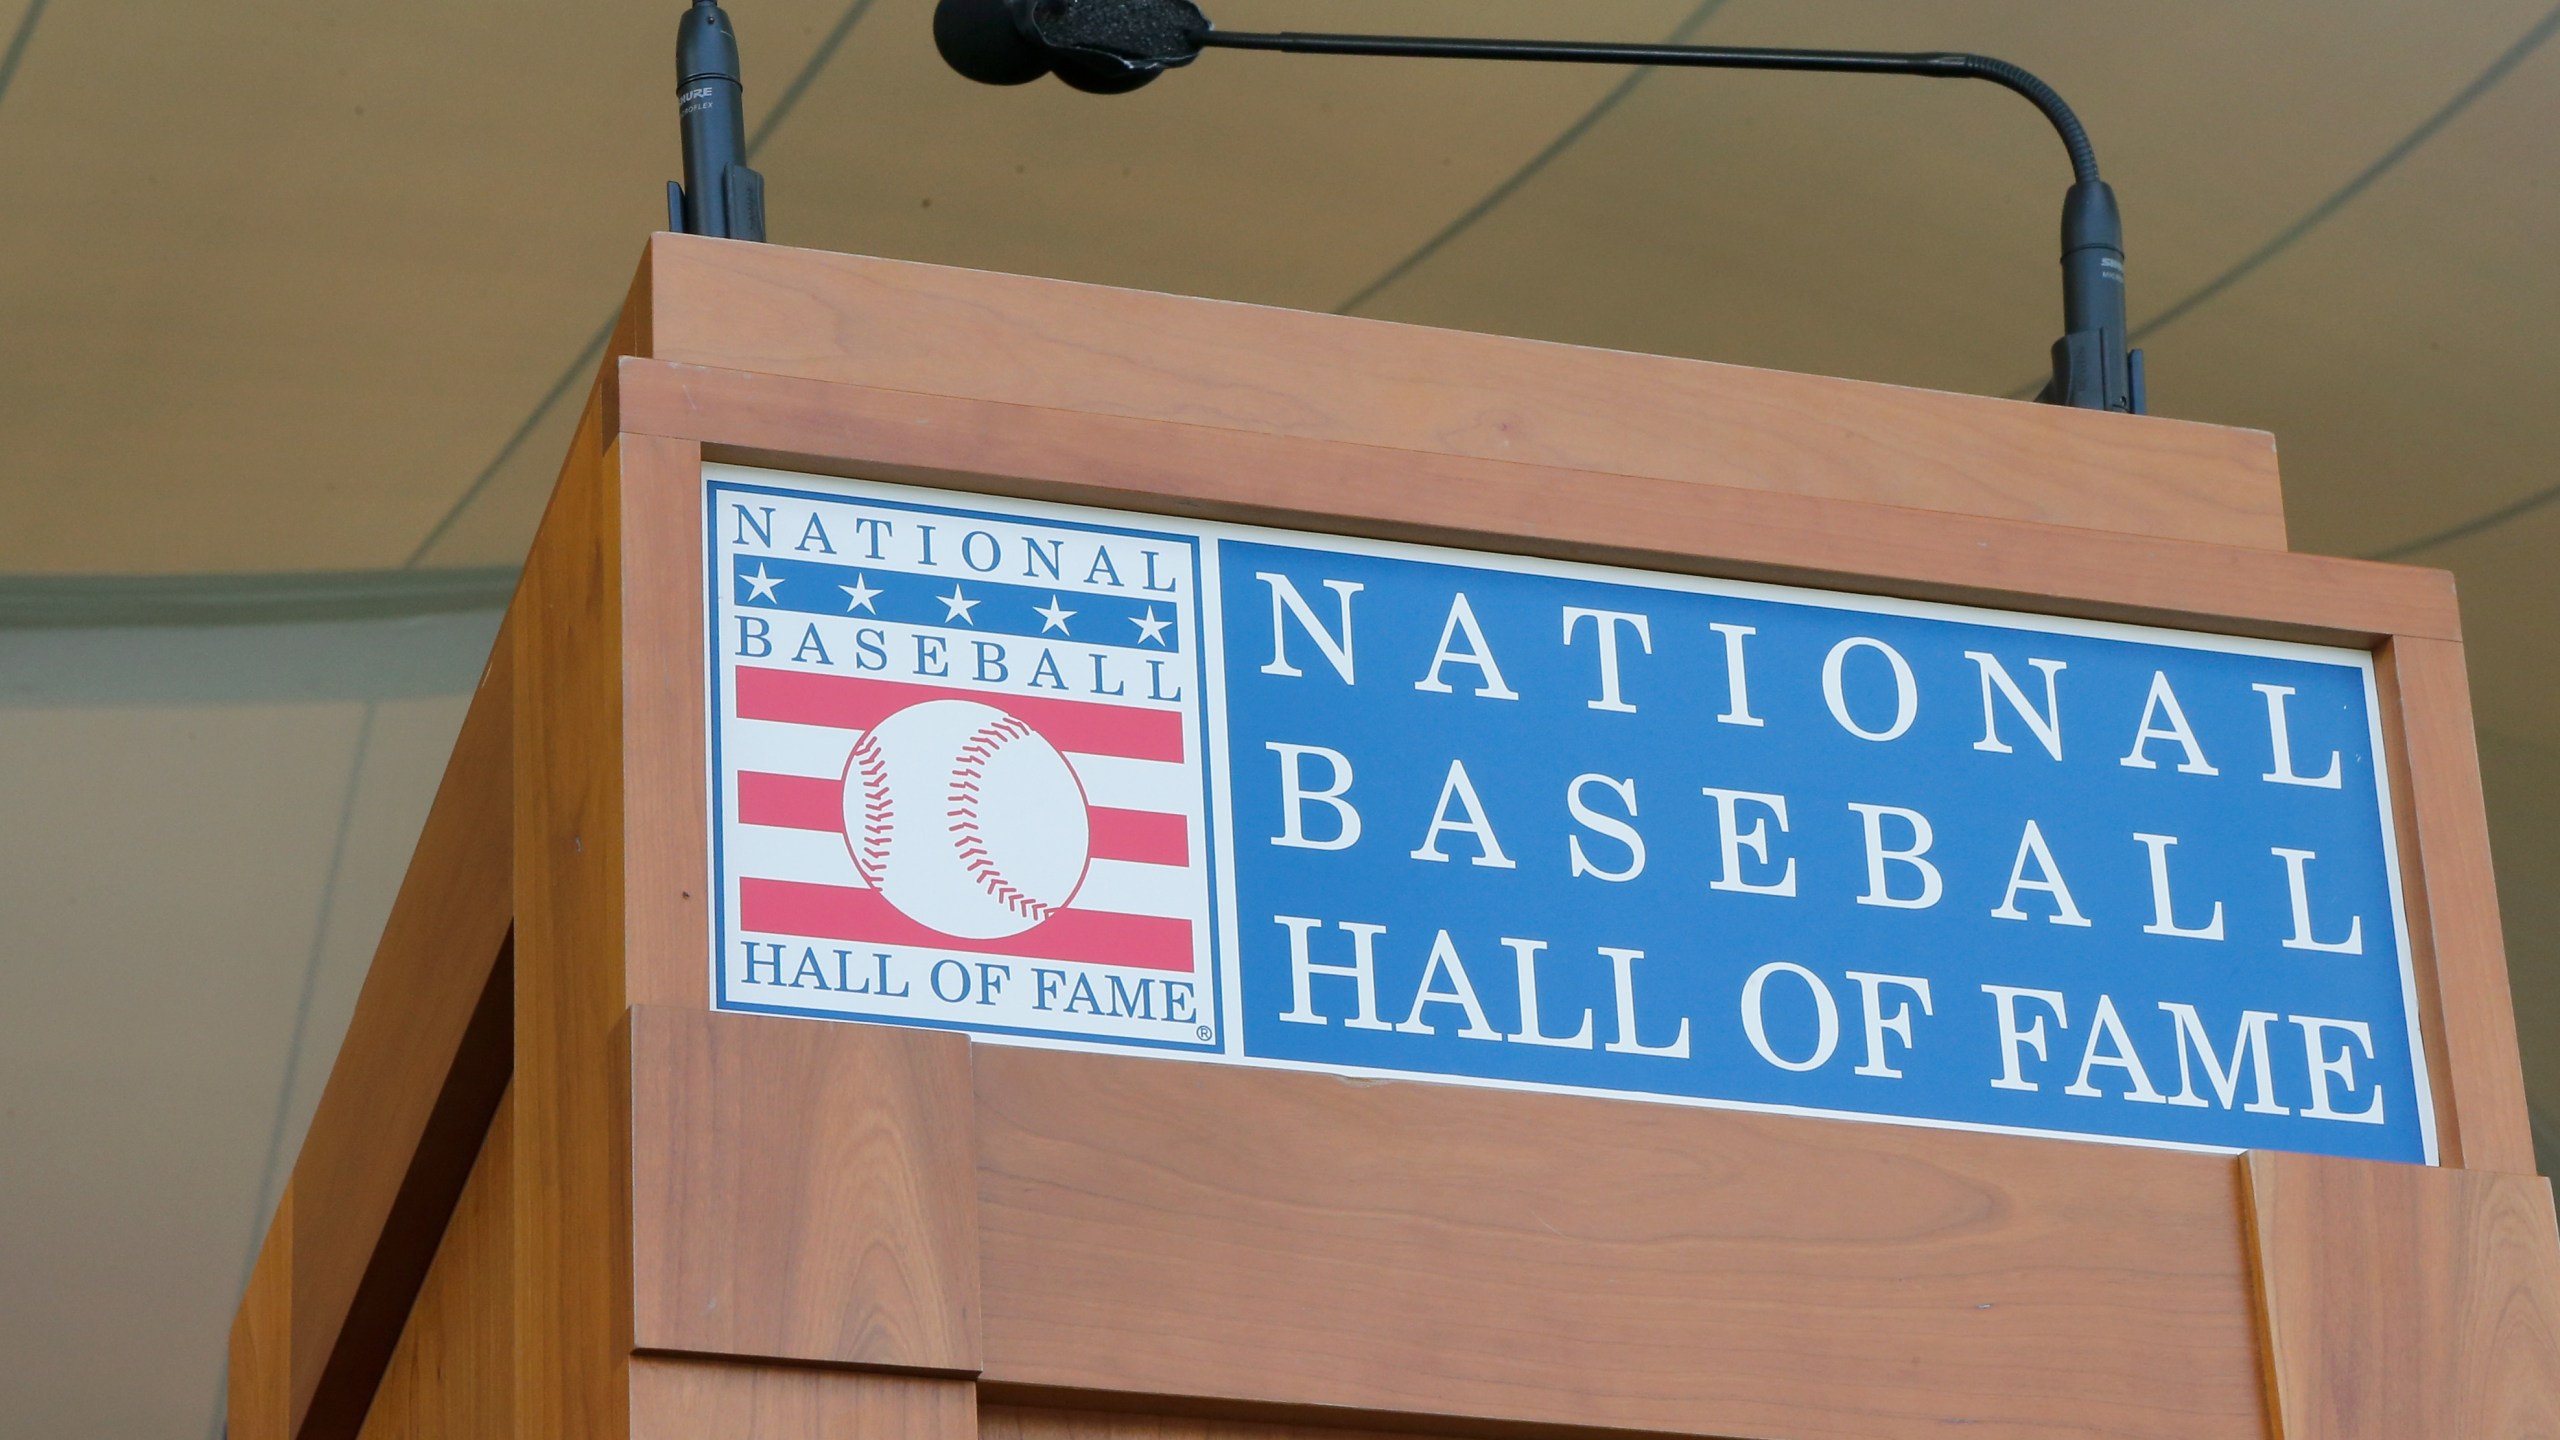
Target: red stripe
[[816, 802], [1145, 836], [799, 697], [838, 912], [794, 802]]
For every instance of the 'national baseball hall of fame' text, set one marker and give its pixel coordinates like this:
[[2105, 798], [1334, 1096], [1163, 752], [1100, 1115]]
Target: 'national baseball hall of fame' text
[[1064, 776]]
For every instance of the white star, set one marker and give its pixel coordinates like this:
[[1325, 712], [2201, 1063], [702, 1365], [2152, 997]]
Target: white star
[[1150, 628], [859, 595], [956, 608], [1052, 617], [760, 585]]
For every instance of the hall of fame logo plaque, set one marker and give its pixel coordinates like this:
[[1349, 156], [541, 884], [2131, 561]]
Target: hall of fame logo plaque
[[960, 767]]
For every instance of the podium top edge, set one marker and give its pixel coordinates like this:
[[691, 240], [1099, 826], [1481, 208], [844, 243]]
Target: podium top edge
[[1074, 345]]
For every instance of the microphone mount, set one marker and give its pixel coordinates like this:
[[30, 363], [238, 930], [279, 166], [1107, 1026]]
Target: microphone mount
[[1114, 46], [719, 194]]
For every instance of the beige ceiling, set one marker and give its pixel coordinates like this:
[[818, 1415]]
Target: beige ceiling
[[288, 287]]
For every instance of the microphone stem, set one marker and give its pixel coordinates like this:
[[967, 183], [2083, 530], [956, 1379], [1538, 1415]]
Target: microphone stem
[[2091, 367], [1945, 65]]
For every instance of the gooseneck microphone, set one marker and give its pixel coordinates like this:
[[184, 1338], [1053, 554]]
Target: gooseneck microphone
[[1109, 47], [719, 194]]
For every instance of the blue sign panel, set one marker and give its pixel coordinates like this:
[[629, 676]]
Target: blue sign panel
[[1126, 782]]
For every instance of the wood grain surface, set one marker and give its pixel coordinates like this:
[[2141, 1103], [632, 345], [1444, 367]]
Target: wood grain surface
[[2427, 975], [803, 1192], [667, 920], [631, 336], [1510, 505], [423, 1062], [1001, 1421], [570, 1164], [1263, 1238], [1149, 357], [675, 1399], [453, 1373], [2402, 1301], [2452, 899], [258, 1402]]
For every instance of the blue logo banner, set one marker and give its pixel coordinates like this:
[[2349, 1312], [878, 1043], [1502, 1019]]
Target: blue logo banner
[[1394, 810]]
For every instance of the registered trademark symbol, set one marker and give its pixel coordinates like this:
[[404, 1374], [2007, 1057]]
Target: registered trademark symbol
[[1206, 1033]]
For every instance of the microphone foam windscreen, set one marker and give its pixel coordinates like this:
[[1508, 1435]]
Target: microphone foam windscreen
[[1164, 31], [982, 40]]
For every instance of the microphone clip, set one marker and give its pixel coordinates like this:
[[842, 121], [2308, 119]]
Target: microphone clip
[[2092, 369]]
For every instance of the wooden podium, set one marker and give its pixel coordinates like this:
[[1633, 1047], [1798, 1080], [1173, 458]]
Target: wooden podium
[[550, 1192]]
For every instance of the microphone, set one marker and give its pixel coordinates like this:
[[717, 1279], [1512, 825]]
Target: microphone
[[1109, 47], [1103, 47], [719, 194]]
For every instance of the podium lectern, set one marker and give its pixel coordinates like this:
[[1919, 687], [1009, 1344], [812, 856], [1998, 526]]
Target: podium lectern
[[565, 1181]]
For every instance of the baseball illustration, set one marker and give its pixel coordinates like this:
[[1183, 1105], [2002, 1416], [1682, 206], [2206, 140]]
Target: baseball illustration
[[965, 818]]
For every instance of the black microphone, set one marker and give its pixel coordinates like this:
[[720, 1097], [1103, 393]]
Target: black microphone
[[1105, 47], [719, 195], [1113, 46]]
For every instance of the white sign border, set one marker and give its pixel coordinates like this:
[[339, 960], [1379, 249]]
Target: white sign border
[[1208, 615]]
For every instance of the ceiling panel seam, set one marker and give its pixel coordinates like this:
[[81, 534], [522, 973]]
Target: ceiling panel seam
[[2481, 84], [2465, 529], [819, 59], [781, 109], [18, 41], [560, 386], [1565, 140], [101, 602]]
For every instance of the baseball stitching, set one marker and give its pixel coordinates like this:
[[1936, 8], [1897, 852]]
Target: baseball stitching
[[871, 857], [968, 768]]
